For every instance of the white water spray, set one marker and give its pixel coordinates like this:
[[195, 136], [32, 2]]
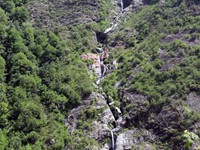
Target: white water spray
[[122, 5], [109, 29], [112, 139], [104, 70]]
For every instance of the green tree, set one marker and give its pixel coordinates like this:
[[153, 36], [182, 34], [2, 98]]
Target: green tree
[[41, 40], [20, 65], [14, 36], [53, 100], [8, 5], [4, 106], [19, 47], [21, 14], [4, 113], [3, 25], [53, 39], [30, 116], [30, 83], [2, 68], [49, 54], [3, 140], [29, 35]]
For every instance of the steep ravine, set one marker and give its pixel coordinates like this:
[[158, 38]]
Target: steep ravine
[[103, 71], [108, 124], [100, 75]]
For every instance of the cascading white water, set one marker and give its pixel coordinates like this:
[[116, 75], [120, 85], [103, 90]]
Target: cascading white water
[[104, 71], [122, 5], [113, 140], [109, 29]]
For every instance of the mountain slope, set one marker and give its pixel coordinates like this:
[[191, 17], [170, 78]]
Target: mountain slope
[[119, 74]]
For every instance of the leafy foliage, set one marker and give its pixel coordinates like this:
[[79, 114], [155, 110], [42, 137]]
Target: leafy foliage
[[40, 81], [158, 59]]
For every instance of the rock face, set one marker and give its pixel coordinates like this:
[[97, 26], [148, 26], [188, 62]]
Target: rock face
[[193, 101], [134, 106], [133, 3], [70, 12], [137, 3], [125, 140], [96, 65], [133, 139], [97, 62], [100, 128], [162, 122]]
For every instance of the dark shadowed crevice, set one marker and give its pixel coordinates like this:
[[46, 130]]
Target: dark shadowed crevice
[[101, 37], [148, 2], [127, 3]]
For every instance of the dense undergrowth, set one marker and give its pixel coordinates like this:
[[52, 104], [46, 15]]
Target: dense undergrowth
[[160, 62], [41, 80]]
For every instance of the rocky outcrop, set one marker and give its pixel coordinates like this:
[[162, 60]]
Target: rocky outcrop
[[134, 107], [135, 139], [164, 121], [137, 3], [101, 127], [168, 61], [193, 101], [97, 62], [127, 3]]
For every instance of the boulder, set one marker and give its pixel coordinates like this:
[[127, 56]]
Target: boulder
[[193, 101], [138, 138]]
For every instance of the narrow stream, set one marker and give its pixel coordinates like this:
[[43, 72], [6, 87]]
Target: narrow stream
[[113, 140], [122, 5], [114, 24], [104, 68]]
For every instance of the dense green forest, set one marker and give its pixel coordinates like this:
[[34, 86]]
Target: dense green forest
[[42, 76], [41, 79]]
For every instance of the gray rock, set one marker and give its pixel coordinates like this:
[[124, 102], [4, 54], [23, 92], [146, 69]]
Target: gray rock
[[134, 139], [100, 128], [134, 105], [99, 131], [116, 86], [125, 140], [107, 146], [99, 50], [107, 117], [193, 101], [137, 3]]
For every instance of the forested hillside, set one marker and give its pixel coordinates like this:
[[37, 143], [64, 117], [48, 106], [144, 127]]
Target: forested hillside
[[99, 74], [41, 79]]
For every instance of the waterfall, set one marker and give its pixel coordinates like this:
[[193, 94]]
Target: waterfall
[[122, 5], [104, 71], [112, 140], [109, 29]]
